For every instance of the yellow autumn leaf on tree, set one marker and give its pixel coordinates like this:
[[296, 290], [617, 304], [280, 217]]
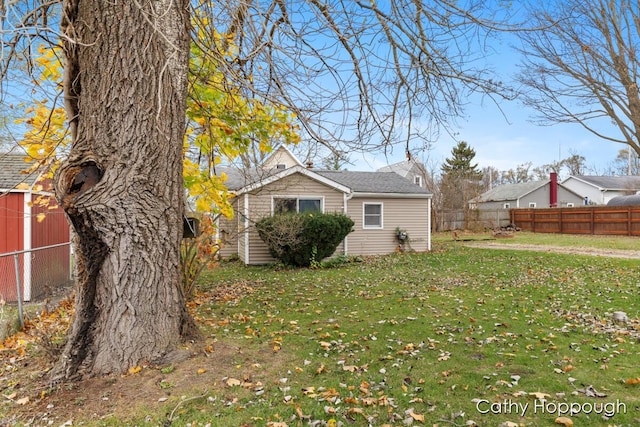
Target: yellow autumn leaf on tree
[[22, 186]]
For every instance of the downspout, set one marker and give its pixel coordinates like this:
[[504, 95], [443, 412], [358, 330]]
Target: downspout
[[429, 224], [245, 212], [345, 200]]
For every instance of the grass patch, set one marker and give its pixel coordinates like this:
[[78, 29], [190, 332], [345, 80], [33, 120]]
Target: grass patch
[[446, 338], [548, 239], [437, 337]]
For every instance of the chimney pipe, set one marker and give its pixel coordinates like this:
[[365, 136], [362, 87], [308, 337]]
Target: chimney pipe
[[553, 190]]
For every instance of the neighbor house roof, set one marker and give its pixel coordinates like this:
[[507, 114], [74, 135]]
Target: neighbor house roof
[[12, 167], [610, 182], [402, 168], [510, 191]]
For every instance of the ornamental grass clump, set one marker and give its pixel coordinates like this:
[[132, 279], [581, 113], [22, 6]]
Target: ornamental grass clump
[[303, 239]]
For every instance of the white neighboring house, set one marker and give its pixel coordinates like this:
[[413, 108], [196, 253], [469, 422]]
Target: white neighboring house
[[598, 190], [410, 169]]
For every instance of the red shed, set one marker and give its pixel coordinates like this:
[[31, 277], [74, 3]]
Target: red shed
[[25, 226]]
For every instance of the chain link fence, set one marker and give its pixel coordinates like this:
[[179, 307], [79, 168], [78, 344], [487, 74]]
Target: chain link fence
[[35, 274]]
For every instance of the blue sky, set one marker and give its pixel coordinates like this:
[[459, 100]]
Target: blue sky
[[503, 143], [505, 139], [506, 144]]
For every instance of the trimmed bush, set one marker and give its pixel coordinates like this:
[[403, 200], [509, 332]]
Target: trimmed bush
[[301, 239]]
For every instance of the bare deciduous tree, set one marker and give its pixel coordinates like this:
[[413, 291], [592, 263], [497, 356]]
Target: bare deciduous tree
[[366, 74], [584, 67]]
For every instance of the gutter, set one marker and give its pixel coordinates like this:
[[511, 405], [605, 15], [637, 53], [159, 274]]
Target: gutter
[[393, 195]]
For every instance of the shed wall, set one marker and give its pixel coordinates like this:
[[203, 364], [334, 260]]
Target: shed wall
[[11, 222]]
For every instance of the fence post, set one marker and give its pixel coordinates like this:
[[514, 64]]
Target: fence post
[[19, 289]]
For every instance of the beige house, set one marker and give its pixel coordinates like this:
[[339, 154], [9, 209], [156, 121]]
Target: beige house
[[379, 203]]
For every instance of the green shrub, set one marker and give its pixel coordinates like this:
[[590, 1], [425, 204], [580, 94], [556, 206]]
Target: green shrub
[[303, 239]]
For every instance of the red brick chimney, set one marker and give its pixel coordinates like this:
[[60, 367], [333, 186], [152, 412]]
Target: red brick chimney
[[553, 190]]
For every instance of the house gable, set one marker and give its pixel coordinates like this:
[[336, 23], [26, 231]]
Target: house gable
[[268, 180], [600, 189], [524, 195], [411, 169], [281, 158]]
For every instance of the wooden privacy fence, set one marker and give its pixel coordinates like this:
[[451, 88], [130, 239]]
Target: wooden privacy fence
[[470, 219], [602, 220]]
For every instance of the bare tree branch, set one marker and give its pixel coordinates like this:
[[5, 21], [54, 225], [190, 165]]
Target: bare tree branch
[[362, 75], [585, 69]]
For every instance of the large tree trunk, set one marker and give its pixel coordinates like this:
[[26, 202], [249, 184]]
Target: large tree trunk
[[121, 187]]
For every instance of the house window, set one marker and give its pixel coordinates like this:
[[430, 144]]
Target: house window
[[296, 204], [281, 166], [570, 205], [532, 204], [417, 180], [507, 206], [372, 215]]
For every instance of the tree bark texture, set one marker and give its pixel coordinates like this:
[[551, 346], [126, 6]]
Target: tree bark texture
[[122, 187]]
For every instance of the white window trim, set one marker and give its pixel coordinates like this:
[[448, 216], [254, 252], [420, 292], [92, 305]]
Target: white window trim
[[532, 204], [417, 180], [297, 197], [370, 227], [506, 206]]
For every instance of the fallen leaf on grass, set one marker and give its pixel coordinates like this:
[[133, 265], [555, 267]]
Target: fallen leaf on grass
[[414, 416], [565, 421], [135, 369], [232, 382], [632, 381], [539, 395], [23, 401], [591, 392]]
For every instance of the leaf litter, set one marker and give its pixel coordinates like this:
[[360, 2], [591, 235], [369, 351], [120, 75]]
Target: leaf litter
[[338, 382]]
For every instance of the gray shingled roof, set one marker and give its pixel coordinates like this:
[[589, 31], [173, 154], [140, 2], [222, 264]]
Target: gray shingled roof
[[612, 182], [358, 182], [12, 168], [374, 182], [510, 191]]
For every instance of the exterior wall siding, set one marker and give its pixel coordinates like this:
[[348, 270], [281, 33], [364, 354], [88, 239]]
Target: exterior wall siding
[[11, 239], [241, 229], [540, 197], [229, 231], [410, 215], [295, 185], [52, 230], [595, 195], [11, 222]]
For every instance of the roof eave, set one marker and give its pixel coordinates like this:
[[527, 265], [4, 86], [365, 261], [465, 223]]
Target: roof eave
[[393, 195]]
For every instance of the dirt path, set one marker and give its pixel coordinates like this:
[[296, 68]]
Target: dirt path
[[613, 253]]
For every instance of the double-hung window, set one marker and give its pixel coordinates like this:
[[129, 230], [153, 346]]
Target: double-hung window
[[372, 215], [296, 204]]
